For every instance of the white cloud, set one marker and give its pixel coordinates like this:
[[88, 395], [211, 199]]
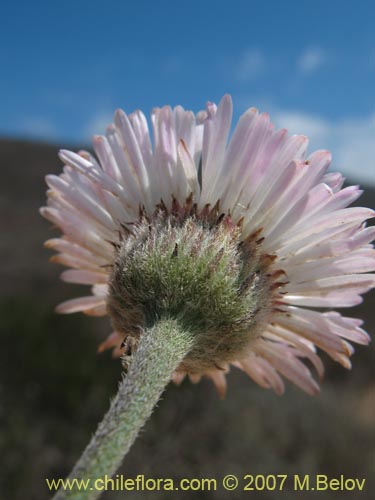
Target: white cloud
[[351, 140], [311, 60], [251, 65]]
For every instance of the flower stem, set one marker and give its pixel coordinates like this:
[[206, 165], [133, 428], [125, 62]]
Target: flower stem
[[160, 351]]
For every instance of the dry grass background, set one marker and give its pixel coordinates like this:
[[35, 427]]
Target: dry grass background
[[54, 388]]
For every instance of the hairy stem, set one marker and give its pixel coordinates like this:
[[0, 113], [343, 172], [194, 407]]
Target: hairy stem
[[160, 351]]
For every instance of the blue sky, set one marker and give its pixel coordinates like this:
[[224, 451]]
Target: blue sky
[[67, 65]]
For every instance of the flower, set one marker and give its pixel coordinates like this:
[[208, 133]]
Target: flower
[[298, 247]]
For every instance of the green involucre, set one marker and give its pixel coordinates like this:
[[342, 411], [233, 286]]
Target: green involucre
[[196, 274]]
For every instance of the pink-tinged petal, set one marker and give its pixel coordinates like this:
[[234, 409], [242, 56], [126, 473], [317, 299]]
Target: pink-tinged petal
[[317, 251], [106, 157], [287, 363], [318, 164], [142, 134], [84, 277], [253, 371], [202, 115], [289, 150], [341, 199], [81, 200], [118, 352], [362, 237], [91, 172], [308, 172], [356, 282], [86, 155], [185, 128], [342, 298], [220, 382], [342, 320], [74, 262], [359, 261], [275, 194], [332, 220], [195, 378], [99, 191], [199, 130], [85, 257], [216, 131], [178, 377], [130, 143], [353, 333], [288, 189], [328, 326], [80, 304], [69, 212], [334, 180], [342, 359], [100, 289], [345, 327], [84, 235], [299, 185], [262, 372], [318, 195], [97, 311], [236, 151], [279, 334], [343, 216], [165, 152], [310, 208], [126, 173], [120, 213], [101, 196], [188, 182], [240, 136], [307, 324], [244, 175], [114, 339], [257, 189], [298, 250]]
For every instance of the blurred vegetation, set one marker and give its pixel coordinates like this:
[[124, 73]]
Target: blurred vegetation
[[54, 388]]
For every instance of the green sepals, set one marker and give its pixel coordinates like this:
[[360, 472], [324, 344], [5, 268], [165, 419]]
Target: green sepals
[[195, 274]]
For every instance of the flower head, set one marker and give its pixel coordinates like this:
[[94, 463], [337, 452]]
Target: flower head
[[240, 237]]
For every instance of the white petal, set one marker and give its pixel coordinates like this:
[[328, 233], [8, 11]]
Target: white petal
[[312, 326], [355, 282], [132, 149], [188, 182], [165, 154], [142, 134], [216, 130], [81, 200], [359, 261], [332, 220]]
